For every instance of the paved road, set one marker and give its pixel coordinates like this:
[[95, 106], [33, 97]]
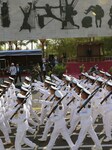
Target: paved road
[[60, 143]]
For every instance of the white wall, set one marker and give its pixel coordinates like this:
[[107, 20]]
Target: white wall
[[53, 27]]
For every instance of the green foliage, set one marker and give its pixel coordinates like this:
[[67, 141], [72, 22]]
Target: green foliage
[[67, 45], [110, 70], [59, 70], [107, 41]]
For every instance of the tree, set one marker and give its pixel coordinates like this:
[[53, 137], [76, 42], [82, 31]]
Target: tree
[[64, 46]]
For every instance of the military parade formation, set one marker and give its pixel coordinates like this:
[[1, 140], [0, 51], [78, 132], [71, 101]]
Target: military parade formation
[[65, 104]]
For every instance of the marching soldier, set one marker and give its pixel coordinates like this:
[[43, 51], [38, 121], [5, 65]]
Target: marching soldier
[[57, 117], [96, 107], [86, 123], [107, 115], [22, 124], [49, 106]]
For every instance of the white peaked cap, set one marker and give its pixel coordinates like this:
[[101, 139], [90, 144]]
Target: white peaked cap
[[83, 73], [68, 78], [107, 74], [80, 86], [102, 72], [24, 89], [19, 95], [46, 81], [7, 82], [86, 91], [1, 90], [109, 83], [64, 75], [58, 94], [3, 86], [92, 78], [74, 81], [99, 79], [48, 78], [27, 78], [11, 78], [54, 88], [25, 85], [86, 74], [51, 83]]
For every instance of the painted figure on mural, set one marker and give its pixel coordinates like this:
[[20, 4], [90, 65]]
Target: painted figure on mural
[[98, 12], [5, 19], [67, 10], [110, 21], [26, 13], [49, 13], [69, 13]]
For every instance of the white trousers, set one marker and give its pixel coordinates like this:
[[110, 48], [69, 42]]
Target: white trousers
[[43, 115], [3, 128], [86, 126], [74, 122], [107, 121], [1, 145], [48, 125], [21, 139], [64, 132]]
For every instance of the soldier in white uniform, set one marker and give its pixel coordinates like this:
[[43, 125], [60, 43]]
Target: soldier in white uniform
[[107, 116], [27, 84], [3, 127], [22, 125], [84, 79], [27, 93], [57, 117], [45, 96], [86, 123], [48, 106], [96, 107], [75, 118]]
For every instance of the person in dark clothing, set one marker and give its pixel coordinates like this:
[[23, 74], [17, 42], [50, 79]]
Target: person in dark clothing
[[18, 73]]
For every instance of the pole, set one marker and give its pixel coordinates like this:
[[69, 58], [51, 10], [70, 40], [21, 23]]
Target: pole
[[43, 44]]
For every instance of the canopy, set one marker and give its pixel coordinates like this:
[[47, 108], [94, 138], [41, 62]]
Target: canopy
[[20, 52]]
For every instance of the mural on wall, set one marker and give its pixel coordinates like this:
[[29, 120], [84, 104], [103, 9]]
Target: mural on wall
[[5, 19], [110, 21], [28, 19]]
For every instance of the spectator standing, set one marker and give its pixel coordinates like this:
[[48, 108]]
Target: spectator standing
[[36, 73], [82, 68], [56, 60], [44, 69], [12, 70], [18, 73]]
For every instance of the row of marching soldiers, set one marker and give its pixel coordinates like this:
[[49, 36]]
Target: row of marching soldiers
[[84, 100], [16, 109]]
